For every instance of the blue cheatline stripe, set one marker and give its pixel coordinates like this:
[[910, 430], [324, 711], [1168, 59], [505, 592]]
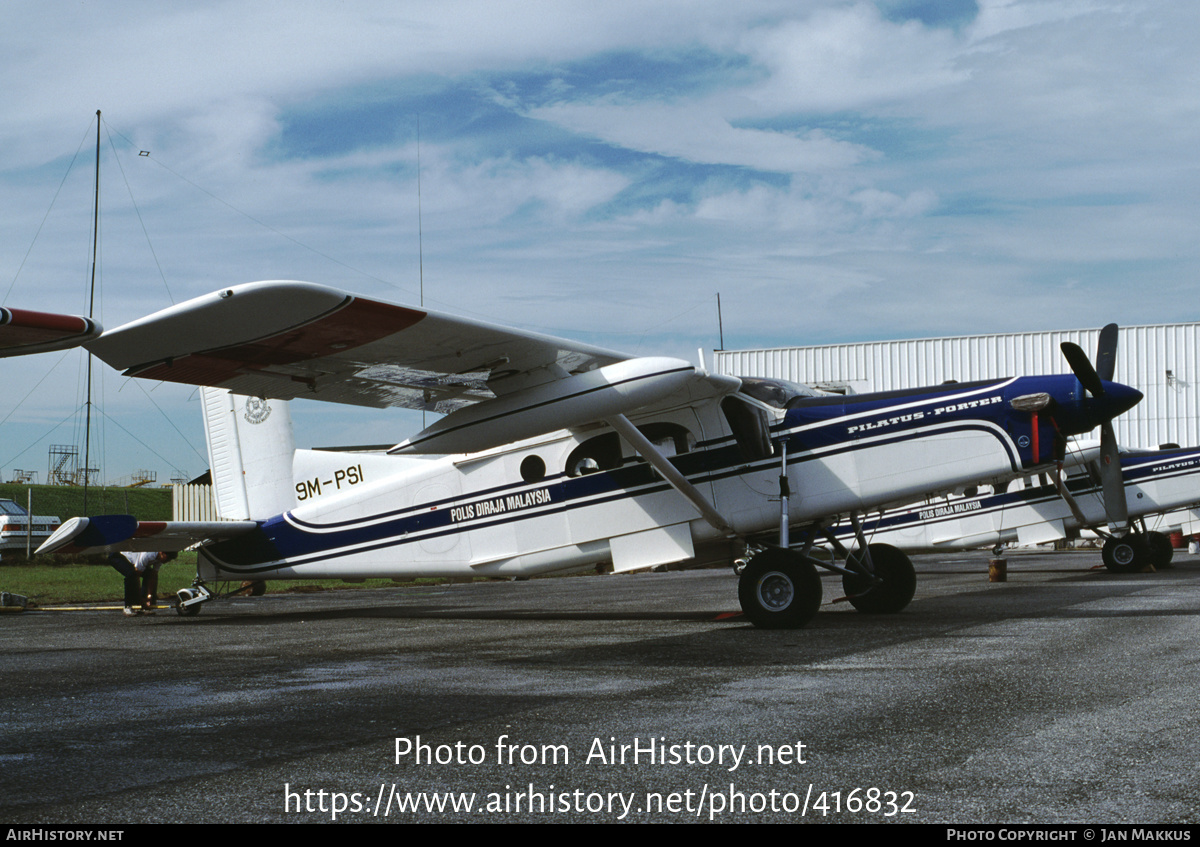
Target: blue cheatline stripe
[[299, 542]]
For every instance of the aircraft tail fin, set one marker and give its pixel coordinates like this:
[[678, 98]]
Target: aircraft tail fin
[[250, 452]]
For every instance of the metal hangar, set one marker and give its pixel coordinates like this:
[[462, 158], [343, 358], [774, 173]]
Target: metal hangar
[[1162, 360]]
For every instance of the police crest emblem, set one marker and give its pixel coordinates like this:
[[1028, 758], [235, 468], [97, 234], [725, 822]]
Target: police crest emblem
[[257, 410]]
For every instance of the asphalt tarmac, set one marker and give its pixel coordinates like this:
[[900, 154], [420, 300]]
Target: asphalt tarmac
[[1062, 695]]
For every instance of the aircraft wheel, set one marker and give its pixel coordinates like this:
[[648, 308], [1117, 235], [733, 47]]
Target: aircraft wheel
[[1126, 554], [779, 590], [895, 590], [187, 611], [1161, 551]]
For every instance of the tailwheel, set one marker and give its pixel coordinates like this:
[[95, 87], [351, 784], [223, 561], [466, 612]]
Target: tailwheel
[[1161, 551], [779, 590], [189, 600], [892, 587], [1126, 554]]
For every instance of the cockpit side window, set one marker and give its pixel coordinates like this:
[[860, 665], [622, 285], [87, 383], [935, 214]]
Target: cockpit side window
[[750, 427]]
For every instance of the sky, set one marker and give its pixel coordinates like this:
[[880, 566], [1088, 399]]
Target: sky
[[832, 171]]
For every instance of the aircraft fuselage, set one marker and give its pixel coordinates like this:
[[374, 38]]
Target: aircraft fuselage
[[572, 499]]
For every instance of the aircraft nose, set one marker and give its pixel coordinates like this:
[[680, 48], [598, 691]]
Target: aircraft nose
[[1078, 414], [1117, 399]]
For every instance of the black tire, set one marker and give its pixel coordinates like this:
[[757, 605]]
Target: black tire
[[896, 586], [1161, 551], [1127, 554], [779, 590], [187, 611]]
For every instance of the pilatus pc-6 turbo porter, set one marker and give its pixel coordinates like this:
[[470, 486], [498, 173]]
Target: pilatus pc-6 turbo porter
[[553, 456]]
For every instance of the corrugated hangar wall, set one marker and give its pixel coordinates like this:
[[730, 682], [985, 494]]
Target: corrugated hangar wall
[[1162, 361]]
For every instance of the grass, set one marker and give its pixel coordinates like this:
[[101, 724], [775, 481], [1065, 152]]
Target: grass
[[58, 584], [66, 501]]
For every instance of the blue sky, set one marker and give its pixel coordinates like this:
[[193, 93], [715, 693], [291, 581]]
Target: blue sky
[[834, 170]]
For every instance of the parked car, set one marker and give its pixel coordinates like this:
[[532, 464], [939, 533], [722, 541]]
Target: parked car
[[14, 522]]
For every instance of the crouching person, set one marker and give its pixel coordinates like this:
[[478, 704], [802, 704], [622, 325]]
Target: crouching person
[[140, 571]]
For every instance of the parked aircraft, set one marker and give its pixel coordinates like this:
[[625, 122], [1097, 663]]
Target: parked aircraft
[[554, 455], [23, 332], [1033, 509]]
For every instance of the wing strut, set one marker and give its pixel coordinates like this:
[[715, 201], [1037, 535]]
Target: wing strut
[[1067, 496], [670, 473]]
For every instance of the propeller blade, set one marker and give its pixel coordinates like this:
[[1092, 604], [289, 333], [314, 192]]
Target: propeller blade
[[1082, 368], [1116, 511], [1113, 481], [1106, 353]]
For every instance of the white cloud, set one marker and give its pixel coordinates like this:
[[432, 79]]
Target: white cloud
[[830, 169], [849, 57], [699, 133]]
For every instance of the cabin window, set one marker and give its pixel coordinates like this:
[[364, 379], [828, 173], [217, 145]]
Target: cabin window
[[533, 469], [670, 439], [604, 452]]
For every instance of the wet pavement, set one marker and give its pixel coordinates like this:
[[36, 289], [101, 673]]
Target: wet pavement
[[1062, 695]]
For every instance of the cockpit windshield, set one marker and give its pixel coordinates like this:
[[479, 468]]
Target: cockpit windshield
[[776, 392]]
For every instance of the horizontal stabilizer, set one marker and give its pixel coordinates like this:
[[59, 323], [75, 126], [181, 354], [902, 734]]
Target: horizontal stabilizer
[[125, 533]]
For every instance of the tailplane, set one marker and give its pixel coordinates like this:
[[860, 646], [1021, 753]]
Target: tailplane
[[250, 452]]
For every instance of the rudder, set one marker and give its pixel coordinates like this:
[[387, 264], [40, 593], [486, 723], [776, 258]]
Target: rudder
[[250, 453]]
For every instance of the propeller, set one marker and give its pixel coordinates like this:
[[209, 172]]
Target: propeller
[[1092, 379]]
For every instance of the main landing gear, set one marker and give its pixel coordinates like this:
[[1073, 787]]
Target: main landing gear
[[1133, 551], [888, 589], [780, 588]]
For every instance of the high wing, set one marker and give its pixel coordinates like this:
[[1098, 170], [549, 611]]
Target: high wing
[[23, 331], [288, 340]]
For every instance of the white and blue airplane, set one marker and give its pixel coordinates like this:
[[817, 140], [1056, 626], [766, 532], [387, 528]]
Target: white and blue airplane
[[1160, 490], [555, 456]]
